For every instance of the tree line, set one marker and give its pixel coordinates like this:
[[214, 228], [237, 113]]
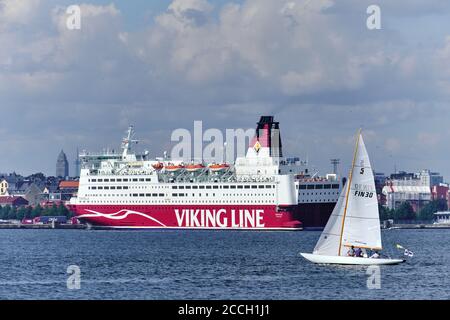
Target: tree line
[[18, 213], [406, 212]]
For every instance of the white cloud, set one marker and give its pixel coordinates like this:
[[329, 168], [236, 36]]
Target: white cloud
[[429, 138], [181, 8], [13, 12], [294, 83], [185, 14], [278, 49], [392, 144], [312, 63]]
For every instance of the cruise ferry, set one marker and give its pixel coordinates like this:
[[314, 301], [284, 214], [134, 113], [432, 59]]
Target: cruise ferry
[[260, 191]]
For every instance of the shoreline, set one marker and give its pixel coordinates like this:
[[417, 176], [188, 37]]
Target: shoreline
[[42, 226], [85, 227], [418, 226]]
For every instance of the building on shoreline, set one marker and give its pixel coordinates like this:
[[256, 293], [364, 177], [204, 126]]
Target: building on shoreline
[[440, 192], [380, 182], [66, 189], [4, 185], [37, 188], [12, 201], [418, 189]]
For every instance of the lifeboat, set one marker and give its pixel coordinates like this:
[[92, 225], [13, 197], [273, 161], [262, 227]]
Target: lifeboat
[[218, 167], [158, 166], [194, 167], [173, 167]]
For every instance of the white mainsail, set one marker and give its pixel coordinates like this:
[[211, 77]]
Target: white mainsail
[[355, 220]]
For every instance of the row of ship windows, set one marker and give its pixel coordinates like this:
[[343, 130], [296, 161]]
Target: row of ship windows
[[161, 194], [199, 195], [183, 202], [121, 180], [317, 186], [108, 188], [121, 187], [173, 195], [318, 193], [268, 186], [179, 187]]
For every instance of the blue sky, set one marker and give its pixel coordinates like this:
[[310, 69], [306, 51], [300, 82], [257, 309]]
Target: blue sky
[[160, 65]]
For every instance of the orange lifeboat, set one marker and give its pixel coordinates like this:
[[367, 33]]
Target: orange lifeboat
[[158, 166], [194, 167], [173, 167], [218, 167]]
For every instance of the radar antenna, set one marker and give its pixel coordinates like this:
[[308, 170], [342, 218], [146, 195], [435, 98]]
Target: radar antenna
[[128, 141]]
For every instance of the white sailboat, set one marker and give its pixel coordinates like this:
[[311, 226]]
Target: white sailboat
[[355, 221]]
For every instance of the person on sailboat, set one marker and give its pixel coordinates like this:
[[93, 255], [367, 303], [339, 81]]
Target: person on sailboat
[[376, 255], [364, 253], [351, 252], [358, 253]]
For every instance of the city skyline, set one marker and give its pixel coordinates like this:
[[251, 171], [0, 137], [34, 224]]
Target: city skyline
[[74, 166], [163, 65]]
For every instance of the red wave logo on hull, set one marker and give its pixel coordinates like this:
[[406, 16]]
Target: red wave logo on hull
[[117, 216]]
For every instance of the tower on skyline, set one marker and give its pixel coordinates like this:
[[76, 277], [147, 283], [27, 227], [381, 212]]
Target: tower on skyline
[[77, 164], [62, 165]]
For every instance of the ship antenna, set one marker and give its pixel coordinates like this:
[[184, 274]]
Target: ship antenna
[[127, 141]]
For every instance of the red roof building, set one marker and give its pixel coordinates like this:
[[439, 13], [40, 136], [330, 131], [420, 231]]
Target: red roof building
[[14, 201]]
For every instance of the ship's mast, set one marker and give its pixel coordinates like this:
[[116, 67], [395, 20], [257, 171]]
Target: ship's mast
[[127, 141]]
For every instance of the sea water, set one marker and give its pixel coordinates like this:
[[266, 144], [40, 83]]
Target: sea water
[[173, 264]]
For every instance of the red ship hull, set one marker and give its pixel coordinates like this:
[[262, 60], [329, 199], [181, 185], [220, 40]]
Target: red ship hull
[[267, 217]]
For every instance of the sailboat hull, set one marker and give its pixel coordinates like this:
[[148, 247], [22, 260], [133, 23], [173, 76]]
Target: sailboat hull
[[319, 259]]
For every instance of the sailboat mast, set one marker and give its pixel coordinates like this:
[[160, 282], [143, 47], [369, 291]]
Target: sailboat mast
[[349, 184]]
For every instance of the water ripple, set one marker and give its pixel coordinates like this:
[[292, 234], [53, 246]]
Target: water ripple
[[210, 265]]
